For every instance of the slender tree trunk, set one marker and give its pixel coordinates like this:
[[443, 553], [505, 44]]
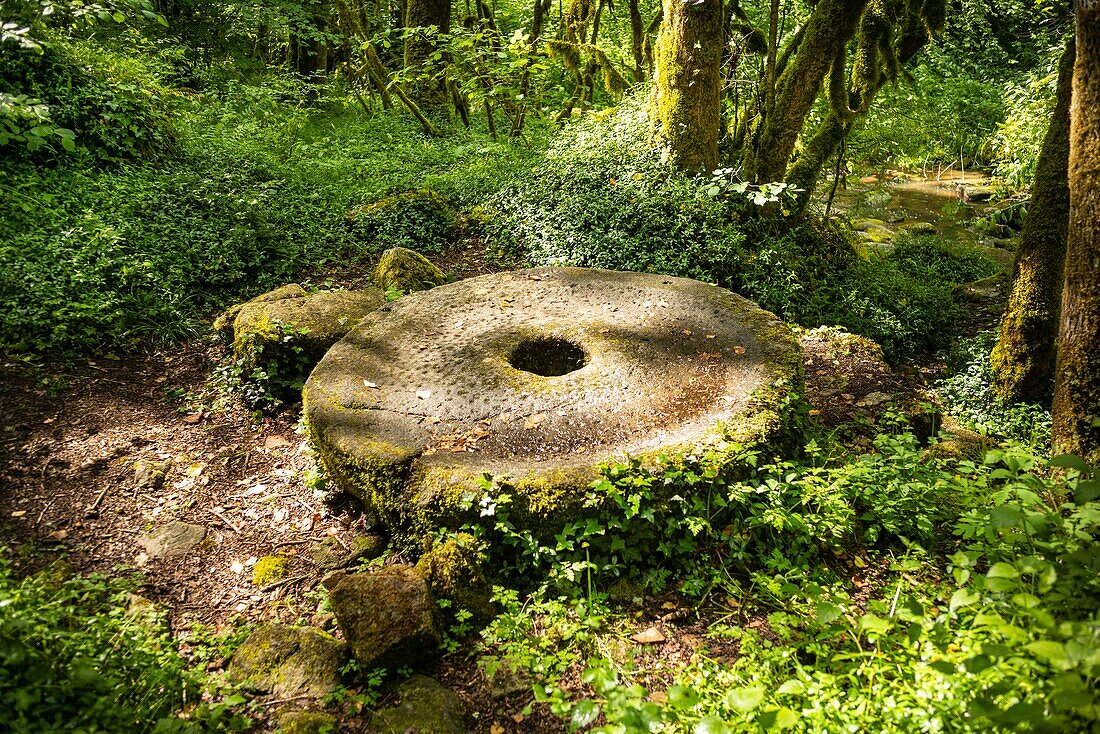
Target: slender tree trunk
[[1023, 360], [686, 102], [430, 92], [542, 7], [637, 41], [832, 24], [1076, 408]]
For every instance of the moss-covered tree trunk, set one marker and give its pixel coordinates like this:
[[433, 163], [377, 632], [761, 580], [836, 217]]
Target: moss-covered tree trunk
[[846, 104], [686, 102], [637, 40], [1023, 360], [831, 25], [1076, 407], [421, 49]]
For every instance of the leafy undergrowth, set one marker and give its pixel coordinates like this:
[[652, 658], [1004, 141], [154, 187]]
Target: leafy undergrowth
[[886, 592], [112, 247], [84, 653], [603, 197]]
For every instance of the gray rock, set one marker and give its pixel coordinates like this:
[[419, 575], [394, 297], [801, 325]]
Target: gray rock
[[150, 474], [329, 555], [406, 271], [289, 661], [425, 707], [971, 193], [388, 616], [174, 539]]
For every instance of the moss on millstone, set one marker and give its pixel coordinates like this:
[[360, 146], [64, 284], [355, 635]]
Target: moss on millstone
[[270, 569], [406, 271]]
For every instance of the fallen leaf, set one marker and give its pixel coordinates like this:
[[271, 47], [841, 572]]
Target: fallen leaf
[[19, 513], [685, 332], [193, 418], [236, 567], [195, 469], [496, 729], [423, 394], [648, 636], [59, 535], [275, 442], [738, 350], [371, 385], [711, 336], [432, 420], [534, 421]]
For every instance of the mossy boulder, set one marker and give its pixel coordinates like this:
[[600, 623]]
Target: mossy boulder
[[388, 616], [296, 721], [172, 539], [539, 377], [421, 220], [404, 270], [454, 571], [292, 327], [329, 554], [424, 707], [289, 661]]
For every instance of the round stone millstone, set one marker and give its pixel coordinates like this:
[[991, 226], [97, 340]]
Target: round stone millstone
[[538, 377]]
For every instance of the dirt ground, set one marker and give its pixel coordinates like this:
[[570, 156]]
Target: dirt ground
[[70, 439]]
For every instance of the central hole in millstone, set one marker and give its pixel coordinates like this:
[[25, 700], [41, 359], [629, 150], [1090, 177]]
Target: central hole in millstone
[[548, 357]]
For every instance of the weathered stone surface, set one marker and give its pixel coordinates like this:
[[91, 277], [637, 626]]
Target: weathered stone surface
[[859, 225], [878, 234], [540, 376], [972, 193], [425, 707], [388, 616], [279, 328], [150, 474], [173, 539], [407, 271], [289, 661], [329, 554]]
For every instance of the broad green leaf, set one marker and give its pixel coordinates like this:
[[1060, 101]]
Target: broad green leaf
[[1071, 461], [585, 713], [745, 699], [1002, 570], [682, 697], [1049, 650]]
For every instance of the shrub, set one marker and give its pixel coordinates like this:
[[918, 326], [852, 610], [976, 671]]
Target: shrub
[[418, 220], [77, 654]]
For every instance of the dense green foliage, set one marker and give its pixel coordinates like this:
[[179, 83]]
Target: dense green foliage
[[85, 654], [602, 197], [1010, 640]]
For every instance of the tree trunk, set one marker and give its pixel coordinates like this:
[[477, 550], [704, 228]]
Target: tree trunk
[[1023, 360], [831, 26], [430, 92], [686, 102], [1077, 383], [637, 41], [825, 141]]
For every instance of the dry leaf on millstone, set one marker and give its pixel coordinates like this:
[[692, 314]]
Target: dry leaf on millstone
[[371, 385], [534, 421], [648, 636], [236, 567], [423, 394]]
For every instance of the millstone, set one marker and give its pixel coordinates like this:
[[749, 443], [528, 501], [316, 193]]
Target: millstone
[[539, 376]]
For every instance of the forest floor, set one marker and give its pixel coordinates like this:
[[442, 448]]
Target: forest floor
[[70, 439]]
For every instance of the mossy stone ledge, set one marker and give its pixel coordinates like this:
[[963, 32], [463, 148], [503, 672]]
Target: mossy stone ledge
[[538, 377]]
